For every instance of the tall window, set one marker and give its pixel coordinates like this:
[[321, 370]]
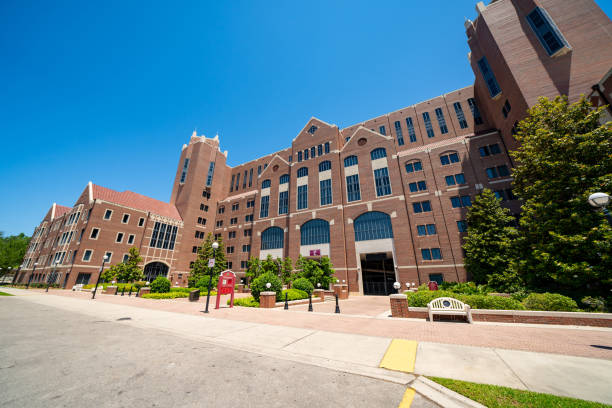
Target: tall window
[[251, 177], [350, 161], [232, 183], [264, 207], [272, 238], [266, 183], [244, 180], [306, 154], [411, 132], [283, 202], [489, 77], [163, 236], [237, 181], [398, 132], [428, 127], [299, 156], [352, 188], [441, 121], [184, 172], [378, 153], [382, 130], [211, 172], [314, 232], [326, 147], [381, 179], [312, 152], [302, 172], [460, 116], [302, 197], [325, 165], [551, 38], [475, 111], [320, 150], [325, 191], [373, 225], [284, 179]]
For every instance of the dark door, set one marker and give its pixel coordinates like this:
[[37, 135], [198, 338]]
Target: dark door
[[378, 274]]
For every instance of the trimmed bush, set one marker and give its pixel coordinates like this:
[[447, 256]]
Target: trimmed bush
[[292, 294], [160, 285], [423, 297], [303, 284], [550, 302], [182, 290], [168, 295], [465, 288], [245, 302], [259, 285], [202, 283]]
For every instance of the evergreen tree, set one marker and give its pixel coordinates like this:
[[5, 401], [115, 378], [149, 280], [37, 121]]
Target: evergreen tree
[[489, 243], [205, 252], [287, 271], [253, 268], [565, 155]]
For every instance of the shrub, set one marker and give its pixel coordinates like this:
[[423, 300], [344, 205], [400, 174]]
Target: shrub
[[292, 294], [303, 284], [245, 302], [182, 290], [466, 288], [550, 302], [423, 297], [202, 283], [167, 295], [259, 285], [594, 304], [160, 285]]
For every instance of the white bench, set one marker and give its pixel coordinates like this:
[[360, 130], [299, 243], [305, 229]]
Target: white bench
[[78, 287], [448, 306]]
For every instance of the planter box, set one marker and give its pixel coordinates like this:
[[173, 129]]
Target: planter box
[[110, 290]]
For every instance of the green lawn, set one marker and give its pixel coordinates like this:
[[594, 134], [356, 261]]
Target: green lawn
[[5, 294], [494, 396]]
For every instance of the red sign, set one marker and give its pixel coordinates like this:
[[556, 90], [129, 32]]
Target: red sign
[[432, 285], [315, 252], [227, 281]]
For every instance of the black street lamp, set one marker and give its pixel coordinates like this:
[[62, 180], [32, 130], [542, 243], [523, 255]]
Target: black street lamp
[[215, 245], [601, 200], [104, 259], [31, 275]]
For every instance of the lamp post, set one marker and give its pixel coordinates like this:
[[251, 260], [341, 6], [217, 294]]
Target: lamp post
[[215, 245], [16, 274], [601, 200], [397, 286], [104, 259], [52, 274], [31, 275]]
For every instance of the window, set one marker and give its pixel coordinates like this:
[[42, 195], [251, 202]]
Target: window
[[235, 206], [489, 77], [314, 232], [306, 154], [414, 166], [201, 221], [373, 225], [325, 192], [460, 116], [350, 161], [125, 258], [441, 121], [427, 229], [264, 206], [251, 175], [320, 150], [94, 233], [109, 256], [108, 214], [229, 249], [284, 179], [163, 236], [302, 172], [352, 187], [81, 234], [312, 129], [246, 248], [247, 232], [233, 221], [429, 254], [194, 249], [248, 218], [211, 173], [237, 181], [199, 234], [232, 183], [324, 165], [551, 38], [506, 109], [299, 157], [250, 203], [244, 180], [475, 111], [499, 171], [489, 150], [504, 195], [462, 225], [229, 265], [217, 237], [381, 179], [417, 186], [259, 170], [244, 264], [221, 210], [206, 193], [449, 158], [302, 197], [382, 130], [428, 127], [455, 179], [398, 132], [283, 202], [83, 278], [461, 201], [422, 206], [312, 152], [378, 153], [326, 147], [231, 234], [272, 238], [184, 172], [119, 237], [411, 133]]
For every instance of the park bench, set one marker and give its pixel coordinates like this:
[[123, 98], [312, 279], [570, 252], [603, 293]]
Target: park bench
[[448, 306], [78, 287]]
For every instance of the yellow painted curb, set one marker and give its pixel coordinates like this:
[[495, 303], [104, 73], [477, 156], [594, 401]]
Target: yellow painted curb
[[407, 400], [400, 356]]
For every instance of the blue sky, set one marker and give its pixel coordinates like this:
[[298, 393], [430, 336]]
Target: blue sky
[[110, 91]]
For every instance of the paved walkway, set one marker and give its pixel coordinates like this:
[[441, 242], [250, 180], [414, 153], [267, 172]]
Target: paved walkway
[[578, 377]]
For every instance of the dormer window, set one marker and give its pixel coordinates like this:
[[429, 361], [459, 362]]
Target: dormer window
[[312, 129]]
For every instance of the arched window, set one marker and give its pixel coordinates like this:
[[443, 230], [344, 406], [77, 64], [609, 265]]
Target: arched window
[[325, 165], [449, 157], [266, 183], [413, 166], [314, 232], [378, 153], [284, 179], [372, 225], [302, 172], [272, 238], [350, 161], [155, 269]]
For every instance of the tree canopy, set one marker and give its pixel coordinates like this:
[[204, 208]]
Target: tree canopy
[[127, 271], [205, 252], [12, 251]]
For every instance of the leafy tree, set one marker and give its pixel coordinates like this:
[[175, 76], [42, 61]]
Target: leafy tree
[[259, 285], [109, 274], [287, 270], [127, 271], [489, 243], [205, 252], [253, 268], [320, 271], [12, 251], [565, 155]]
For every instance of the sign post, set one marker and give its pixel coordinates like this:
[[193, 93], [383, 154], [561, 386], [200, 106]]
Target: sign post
[[227, 282]]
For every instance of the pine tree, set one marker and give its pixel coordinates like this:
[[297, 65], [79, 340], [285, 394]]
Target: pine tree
[[287, 271], [205, 252]]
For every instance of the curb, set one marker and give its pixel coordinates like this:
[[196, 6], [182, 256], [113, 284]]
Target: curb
[[442, 395]]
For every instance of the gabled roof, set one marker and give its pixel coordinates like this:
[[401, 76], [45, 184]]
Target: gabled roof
[[275, 158], [135, 200], [365, 132], [61, 210]]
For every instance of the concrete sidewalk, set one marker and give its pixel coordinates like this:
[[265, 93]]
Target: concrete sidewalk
[[577, 377]]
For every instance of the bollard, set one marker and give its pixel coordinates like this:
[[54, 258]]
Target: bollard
[[136, 293], [123, 291], [130, 293], [117, 292], [337, 307], [286, 304], [310, 303]]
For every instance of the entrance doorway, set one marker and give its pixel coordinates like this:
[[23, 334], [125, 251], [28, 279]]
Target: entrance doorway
[[155, 269], [378, 273]]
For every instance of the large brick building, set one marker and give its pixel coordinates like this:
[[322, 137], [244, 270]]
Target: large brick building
[[385, 199]]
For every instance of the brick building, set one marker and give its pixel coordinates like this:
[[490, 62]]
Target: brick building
[[385, 199]]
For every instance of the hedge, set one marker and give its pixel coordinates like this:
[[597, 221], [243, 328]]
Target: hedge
[[292, 294], [303, 284], [551, 302], [245, 302], [161, 284], [167, 295], [423, 297]]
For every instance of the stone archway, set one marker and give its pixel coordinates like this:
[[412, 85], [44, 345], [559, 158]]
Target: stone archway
[[155, 269]]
